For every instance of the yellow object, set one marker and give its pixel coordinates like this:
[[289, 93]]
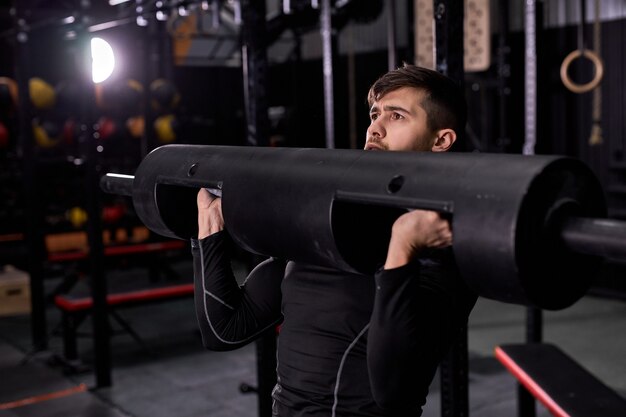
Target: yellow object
[[164, 127], [77, 216], [136, 126], [595, 138], [41, 93], [135, 85], [42, 138]]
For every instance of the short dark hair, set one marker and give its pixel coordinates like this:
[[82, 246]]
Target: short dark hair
[[444, 100]]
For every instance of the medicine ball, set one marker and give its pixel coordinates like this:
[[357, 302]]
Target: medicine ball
[[164, 96], [165, 128], [42, 94], [46, 133]]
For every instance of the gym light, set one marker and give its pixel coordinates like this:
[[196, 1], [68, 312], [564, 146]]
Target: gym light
[[102, 60]]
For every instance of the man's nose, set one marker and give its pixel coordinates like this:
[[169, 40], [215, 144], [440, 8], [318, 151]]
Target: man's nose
[[377, 128]]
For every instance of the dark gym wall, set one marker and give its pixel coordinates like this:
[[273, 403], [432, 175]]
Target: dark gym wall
[[215, 96], [211, 105], [569, 120], [304, 86], [564, 118]]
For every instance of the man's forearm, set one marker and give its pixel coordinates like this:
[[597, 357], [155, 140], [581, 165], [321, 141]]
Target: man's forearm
[[231, 316]]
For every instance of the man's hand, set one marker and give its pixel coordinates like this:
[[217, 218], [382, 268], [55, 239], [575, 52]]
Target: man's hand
[[210, 219], [414, 231]]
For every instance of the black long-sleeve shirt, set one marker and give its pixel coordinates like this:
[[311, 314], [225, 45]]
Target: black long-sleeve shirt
[[349, 344]]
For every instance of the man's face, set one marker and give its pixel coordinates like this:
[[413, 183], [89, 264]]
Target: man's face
[[398, 123]]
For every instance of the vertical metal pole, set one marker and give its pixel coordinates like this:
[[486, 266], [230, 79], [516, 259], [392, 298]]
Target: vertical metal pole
[[351, 89], [266, 371], [255, 68], [166, 55], [392, 59], [449, 45], [99, 290], [327, 64], [296, 66], [534, 325], [526, 406], [215, 14], [454, 371], [449, 61], [410, 8], [100, 318], [32, 199], [582, 45], [147, 137], [254, 57], [504, 73], [525, 401], [152, 63], [530, 81], [449, 38]]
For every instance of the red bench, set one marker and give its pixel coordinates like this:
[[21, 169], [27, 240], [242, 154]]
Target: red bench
[[141, 248], [75, 308], [562, 385]]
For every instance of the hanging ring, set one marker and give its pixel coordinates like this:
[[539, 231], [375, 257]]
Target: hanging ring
[[598, 73]]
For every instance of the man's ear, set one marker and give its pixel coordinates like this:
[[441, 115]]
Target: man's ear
[[444, 140]]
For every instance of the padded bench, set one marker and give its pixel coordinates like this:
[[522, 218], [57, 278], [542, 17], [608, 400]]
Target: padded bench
[[142, 248], [75, 309], [560, 383]]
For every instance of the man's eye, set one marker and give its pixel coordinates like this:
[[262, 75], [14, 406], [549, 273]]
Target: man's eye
[[396, 116], [373, 116]]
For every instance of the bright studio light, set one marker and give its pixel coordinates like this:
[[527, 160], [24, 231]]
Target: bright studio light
[[102, 60]]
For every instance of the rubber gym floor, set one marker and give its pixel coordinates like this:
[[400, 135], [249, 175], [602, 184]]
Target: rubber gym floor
[[172, 375]]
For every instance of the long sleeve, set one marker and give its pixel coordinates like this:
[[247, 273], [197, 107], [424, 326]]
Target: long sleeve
[[418, 310], [230, 316]]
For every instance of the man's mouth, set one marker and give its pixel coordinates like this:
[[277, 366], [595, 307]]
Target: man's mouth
[[373, 147]]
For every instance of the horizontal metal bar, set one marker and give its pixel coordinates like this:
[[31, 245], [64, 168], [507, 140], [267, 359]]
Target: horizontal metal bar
[[119, 184], [600, 237], [98, 27]]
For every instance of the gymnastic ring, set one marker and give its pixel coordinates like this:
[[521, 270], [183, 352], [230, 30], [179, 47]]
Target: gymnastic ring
[[597, 63]]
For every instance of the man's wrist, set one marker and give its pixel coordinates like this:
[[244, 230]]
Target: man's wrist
[[394, 261], [398, 256], [207, 227]]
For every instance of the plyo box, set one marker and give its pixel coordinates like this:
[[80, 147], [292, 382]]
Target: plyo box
[[14, 292]]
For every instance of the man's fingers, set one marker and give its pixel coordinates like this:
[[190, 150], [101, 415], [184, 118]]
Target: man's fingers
[[442, 233]]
